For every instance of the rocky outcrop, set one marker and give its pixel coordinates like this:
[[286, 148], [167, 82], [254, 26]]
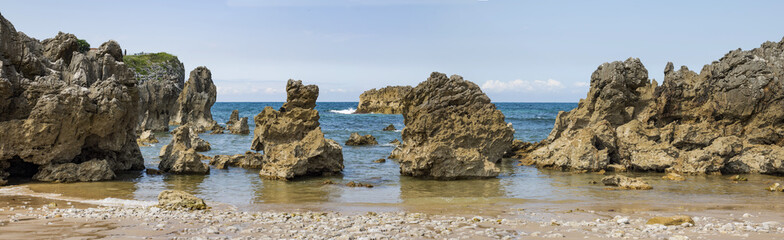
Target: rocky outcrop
[[180, 157], [726, 119], [196, 100], [390, 128], [90, 171], [292, 140], [249, 160], [161, 77], [179, 200], [386, 100], [360, 140], [237, 125], [452, 131], [60, 106]]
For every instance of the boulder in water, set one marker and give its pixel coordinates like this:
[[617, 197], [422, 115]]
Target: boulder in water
[[179, 156], [624, 182], [361, 140], [386, 100]]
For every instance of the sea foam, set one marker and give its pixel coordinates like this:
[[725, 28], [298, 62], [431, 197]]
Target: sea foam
[[344, 111]]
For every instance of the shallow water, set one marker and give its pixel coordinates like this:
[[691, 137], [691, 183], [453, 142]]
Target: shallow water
[[518, 186]]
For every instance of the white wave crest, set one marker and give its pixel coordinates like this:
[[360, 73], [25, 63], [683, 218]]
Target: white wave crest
[[344, 111]]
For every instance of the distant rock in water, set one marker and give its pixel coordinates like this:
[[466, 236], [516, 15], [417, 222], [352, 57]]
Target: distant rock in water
[[59, 106], [237, 125], [360, 140], [180, 157], [146, 138], [727, 119], [390, 128], [196, 100], [292, 140], [385, 100], [161, 77], [470, 138], [249, 160]]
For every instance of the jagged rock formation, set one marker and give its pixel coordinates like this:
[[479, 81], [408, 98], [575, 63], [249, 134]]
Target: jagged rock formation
[[386, 100], [726, 119], [161, 77], [90, 171], [237, 125], [360, 140], [180, 157], [249, 160], [292, 140], [60, 106], [196, 100], [452, 131], [390, 128]]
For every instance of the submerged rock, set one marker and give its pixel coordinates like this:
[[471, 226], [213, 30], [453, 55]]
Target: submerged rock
[[519, 149], [179, 200], [196, 100], [395, 142], [386, 100], [360, 140], [671, 220], [249, 160], [674, 177], [59, 106], [380, 160], [624, 182], [358, 184], [90, 171], [161, 78], [292, 140], [179, 156], [725, 119], [470, 138]]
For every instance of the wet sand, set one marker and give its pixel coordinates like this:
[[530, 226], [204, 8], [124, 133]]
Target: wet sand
[[28, 217]]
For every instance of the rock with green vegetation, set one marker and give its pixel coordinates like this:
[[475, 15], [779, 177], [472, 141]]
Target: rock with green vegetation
[[179, 200], [62, 108], [161, 77]]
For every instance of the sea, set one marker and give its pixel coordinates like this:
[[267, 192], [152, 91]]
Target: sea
[[516, 186]]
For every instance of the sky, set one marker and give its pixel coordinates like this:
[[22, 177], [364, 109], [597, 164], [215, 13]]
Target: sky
[[516, 51]]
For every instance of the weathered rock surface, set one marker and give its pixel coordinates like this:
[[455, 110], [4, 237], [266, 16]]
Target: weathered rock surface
[[249, 160], [60, 106], [195, 101], [386, 100], [674, 177], [234, 117], [624, 182], [361, 140], [179, 200], [519, 149], [390, 128], [146, 138], [161, 81], [452, 131], [292, 140], [90, 171], [726, 119], [180, 157], [239, 126]]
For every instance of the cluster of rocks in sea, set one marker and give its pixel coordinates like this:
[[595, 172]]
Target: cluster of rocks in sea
[[237, 125], [291, 138], [180, 155], [726, 119]]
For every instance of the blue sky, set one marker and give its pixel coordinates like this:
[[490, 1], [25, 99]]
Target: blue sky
[[518, 51]]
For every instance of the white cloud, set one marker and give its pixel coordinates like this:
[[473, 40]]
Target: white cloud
[[521, 85], [582, 84], [339, 90]]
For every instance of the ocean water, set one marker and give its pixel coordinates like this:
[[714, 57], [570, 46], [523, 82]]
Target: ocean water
[[516, 186]]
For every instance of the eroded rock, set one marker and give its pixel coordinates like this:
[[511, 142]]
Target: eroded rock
[[470, 138], [292, 140], [146, 138], [361, 140], [249, 160], [386, 100], [196, 100], [179, 200], [390, 128], [180, 155], [624, 182], [60, 106], [161, 78], [90, 171]]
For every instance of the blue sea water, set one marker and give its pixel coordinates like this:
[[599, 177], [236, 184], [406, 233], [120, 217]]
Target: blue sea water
[[516, 185]]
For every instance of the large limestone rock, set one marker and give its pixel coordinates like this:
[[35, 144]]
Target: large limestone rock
[[360, 140], [726, 119], [161, 78], [196, 100], [180, 157], [452, 131], [292, 140], [386, 100], [179, 200], [90, 171], [60, 106]]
